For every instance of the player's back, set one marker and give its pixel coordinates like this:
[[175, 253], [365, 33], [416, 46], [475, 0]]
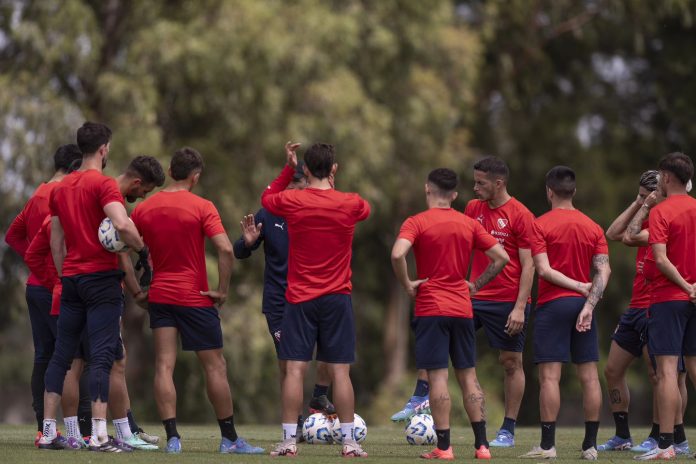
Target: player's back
[[78, 201], [174, 226]]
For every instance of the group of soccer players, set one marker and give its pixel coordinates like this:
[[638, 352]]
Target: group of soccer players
[[474, 269]]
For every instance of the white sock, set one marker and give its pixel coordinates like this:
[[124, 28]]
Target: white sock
[[347, 430], [99, 435], [289, 431], [123, 431], [72, 428], [49, 429]]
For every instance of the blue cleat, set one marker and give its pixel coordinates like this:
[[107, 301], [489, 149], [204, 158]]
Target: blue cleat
[[682, 448], [173, 446], [504, 439], [616, 444], [648, 445], [416, 405], [240, 446]]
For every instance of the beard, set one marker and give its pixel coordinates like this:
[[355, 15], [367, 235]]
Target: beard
[[104, 163], [131, 198]]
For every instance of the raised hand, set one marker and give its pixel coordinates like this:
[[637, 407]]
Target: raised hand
[[250, 230], [290, 153]]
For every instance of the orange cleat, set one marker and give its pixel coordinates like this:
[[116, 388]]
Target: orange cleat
[[482, 453], [437, 453]]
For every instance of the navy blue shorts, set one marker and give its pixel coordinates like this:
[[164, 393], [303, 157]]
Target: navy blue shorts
[[631, 332], [326, 322], [672, 329], [441, 338], [492, 316], [275, 324], [43, 325], [199, 327], [555, 337]]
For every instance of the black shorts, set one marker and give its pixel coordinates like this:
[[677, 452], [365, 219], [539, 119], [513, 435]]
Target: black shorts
[[439, 338], [326, 322], [672, 329], [555, 336], [492, 316], [275, 328], [199, 327], [631, 332]]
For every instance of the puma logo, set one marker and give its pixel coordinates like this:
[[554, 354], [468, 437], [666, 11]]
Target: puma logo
[[280, 226]]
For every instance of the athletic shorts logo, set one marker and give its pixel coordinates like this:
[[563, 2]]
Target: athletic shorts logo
[[502, 223], [276, 335]]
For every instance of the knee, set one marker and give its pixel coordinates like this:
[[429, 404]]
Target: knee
[[612, 373], [217, 367], [512, 363], [119, 367]]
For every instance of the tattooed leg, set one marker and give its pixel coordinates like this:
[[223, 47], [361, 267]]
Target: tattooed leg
[[474, 399]]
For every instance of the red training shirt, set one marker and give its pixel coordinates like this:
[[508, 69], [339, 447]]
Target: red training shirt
[[28, 222], [673, 223], [40, 262], [512, 224], [640, 296], [321, 224], [79, 202], [174, 226], [443, 240], [570, 239]]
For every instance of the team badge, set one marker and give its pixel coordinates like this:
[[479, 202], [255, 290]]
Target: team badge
[[502, 223], [276, 335]]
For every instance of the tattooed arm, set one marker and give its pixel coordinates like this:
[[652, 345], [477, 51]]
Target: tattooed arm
[[549, 274], [600, 264], [635, 235], [499, 258]]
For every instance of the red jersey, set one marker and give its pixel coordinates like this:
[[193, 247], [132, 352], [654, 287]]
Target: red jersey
[[79, 202], [174, 226], [443, 240], [321, 224], [40, 262], [673, 223], [512, 224], [28, 222], [570, 239], [640, 297]]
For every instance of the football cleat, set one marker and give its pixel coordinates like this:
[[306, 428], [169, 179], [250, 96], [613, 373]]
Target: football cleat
[[286, 448], [352, 449], [682, 448], [173, 446], [482, 453], [55, 444], [437, 453], [110, 446], [658, 454], [137, 443], [416, 405], [648, 445], [616, 444], [540, 453], [504, 439], [321, 404], [590, 454], [151, 439], [240, 446], [38, 436], [74, 443]]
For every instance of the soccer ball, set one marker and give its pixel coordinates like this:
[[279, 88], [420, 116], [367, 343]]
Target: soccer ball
[[359, 430], [316, 430], [421, 430], [109, 238]]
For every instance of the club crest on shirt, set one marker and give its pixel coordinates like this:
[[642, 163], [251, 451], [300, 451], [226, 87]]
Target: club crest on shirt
[[502, 223]]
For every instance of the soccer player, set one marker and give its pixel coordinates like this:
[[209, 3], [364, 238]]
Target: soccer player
[[443, 240], [174, 223], [672, 325], [502, 308], [272, 231], [566, 245], [38, 294], [321, 223], [91, 296]]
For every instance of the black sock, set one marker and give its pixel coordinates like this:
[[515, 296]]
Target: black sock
[[621, 422], [170, 428], [679, 433], [227, 429], [479, 434], [37, 392], [443, 439], [320, 390], [509, 425], [300, 422], [422, 388], [591, 428], [85, 423], [548, 435], [655, 431], [131, 422], [666, 440]]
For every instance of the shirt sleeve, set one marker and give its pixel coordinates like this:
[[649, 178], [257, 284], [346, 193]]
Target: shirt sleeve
[[17, 236], [537, 239], [36, 254], [212, 224], [601, 246], [362, 211], [273, 197], [525, 230], [658, 226], [109, 192], [482, 239], [409, 230]]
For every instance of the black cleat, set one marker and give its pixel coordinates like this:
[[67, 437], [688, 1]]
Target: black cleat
[[321, 404], [57, 443]]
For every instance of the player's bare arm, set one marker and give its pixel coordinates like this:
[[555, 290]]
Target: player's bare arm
[[398, 257], [600, 265], [617, 228], [131, 281], [665, 266], [499, 258], [225, 259], [57, 244], [549, 274], [125, 227], [250, 230], [635, 235], [515, 322]]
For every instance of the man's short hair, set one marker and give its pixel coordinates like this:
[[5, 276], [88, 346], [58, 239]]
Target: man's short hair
[[185, 161], [319, 159], [445, 180], [147, 169], [678, 164], [494, 167], [648, 180], [65, 157], [91, 136], [561, 181]]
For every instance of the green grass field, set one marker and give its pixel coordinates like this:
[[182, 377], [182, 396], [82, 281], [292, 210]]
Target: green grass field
[[384, 444]]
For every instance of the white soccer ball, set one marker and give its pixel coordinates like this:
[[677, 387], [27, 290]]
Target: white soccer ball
[[109, 238], [359, 430], [421, 430], [317, 429]]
